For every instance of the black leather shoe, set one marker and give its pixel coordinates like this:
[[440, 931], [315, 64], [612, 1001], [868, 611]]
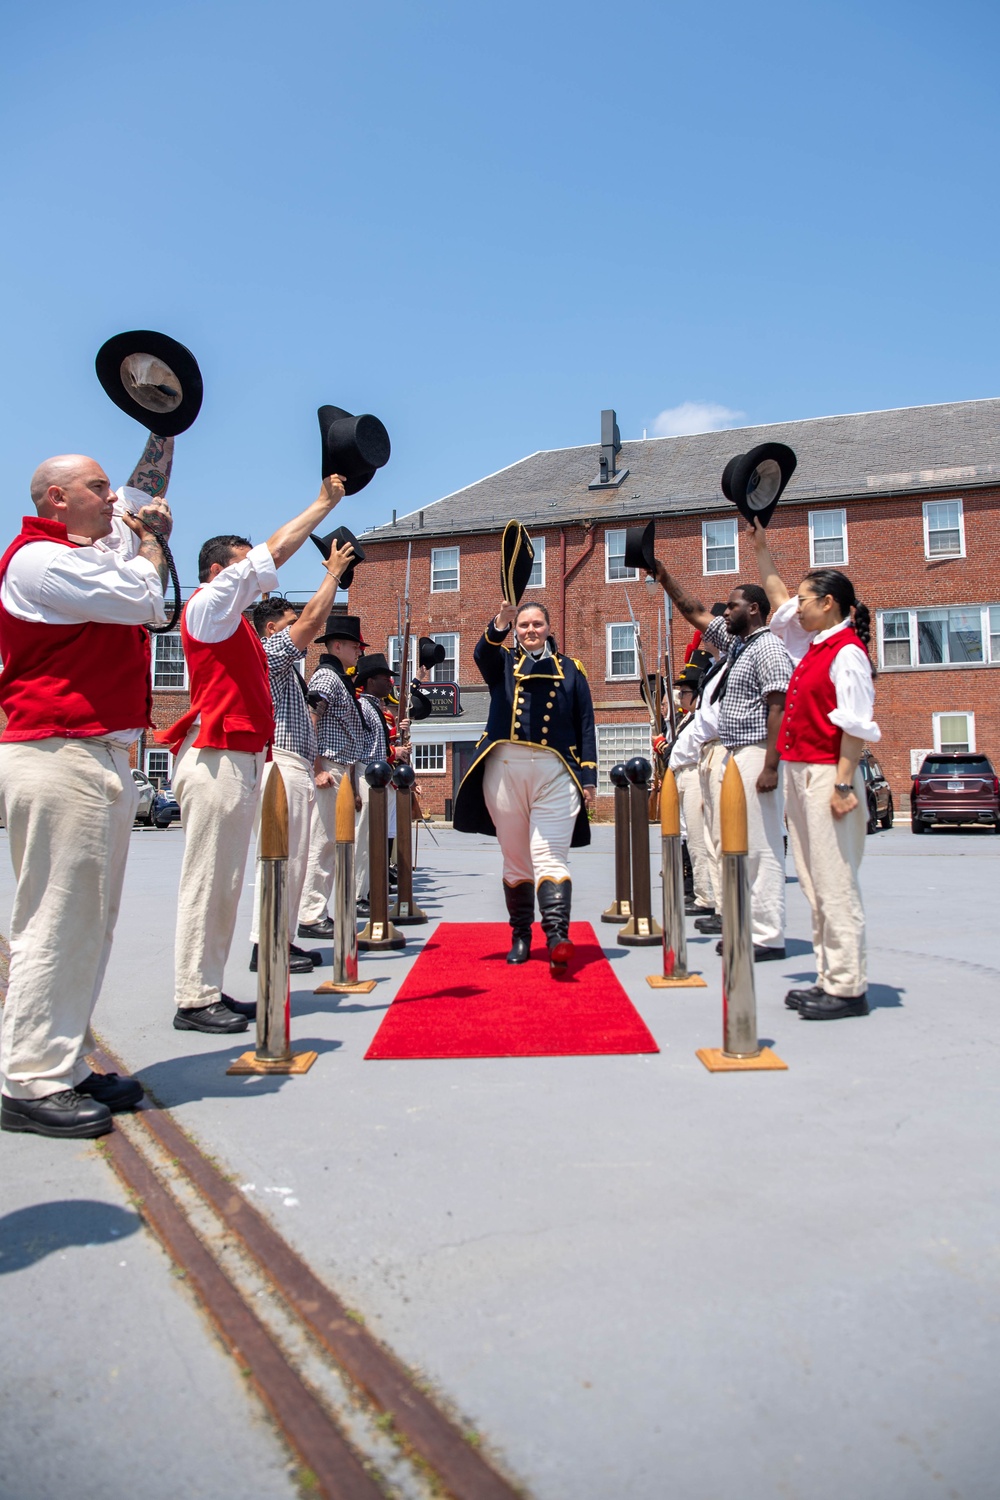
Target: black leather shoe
[[65, 1113], [246, 1008], [833, 1007], [362, 909], [763, 955], [216, 1019], [795, 998], [690, 910], [298, 962], [314, 958], [110, 1089], [708, 925], [316, 930]]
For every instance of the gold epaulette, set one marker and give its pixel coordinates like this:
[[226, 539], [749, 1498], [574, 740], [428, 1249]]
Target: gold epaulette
[[578, 664]]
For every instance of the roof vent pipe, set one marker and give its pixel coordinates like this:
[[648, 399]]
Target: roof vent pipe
[[420, 520], [611, 445]]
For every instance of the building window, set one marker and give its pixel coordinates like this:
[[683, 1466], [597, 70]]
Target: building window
[[954, 732], [444, 570], [536, 578], [995, 632], [447, 670], [617, 743], [428, 758], [944, 529], [967, 636], [395, 647], [827, 538], [720, 547], [896, 650], [169, 666], [158, 766], [615, 570], [622, 656]]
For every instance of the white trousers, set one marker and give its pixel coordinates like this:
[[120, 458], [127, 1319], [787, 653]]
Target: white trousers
[[828, 853], [534, 802], [218, 792], [321, 864], [300, 789], [689, 792], [766, 838], [710, 767], [69, 806]]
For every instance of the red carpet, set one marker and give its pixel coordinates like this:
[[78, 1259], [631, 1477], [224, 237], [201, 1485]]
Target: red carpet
[[461, 999]]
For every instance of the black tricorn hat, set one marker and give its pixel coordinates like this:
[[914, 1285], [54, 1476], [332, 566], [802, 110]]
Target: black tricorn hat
[[343, 628], [754, 481], [420, 704], [517, 557], [337, 538], [640, 547], [371, 664], [352, 446], [430, 653], [152, 378]]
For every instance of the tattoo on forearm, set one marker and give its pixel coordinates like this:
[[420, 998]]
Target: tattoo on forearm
[[685, 603], [152, 473], [152, 552]]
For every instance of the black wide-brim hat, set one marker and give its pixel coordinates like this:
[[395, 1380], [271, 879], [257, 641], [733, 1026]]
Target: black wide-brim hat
[[754, 481], [640, 546], [371, 665], [342, 628], [337, 538], [352, 446], [517, 558], [430, 653], [152, 378], [420, 705]]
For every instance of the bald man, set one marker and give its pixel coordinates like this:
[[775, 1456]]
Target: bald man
[[77, 588]]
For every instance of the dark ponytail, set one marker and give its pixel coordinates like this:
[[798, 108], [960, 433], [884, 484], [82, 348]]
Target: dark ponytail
[[840, 588], [863, 624]]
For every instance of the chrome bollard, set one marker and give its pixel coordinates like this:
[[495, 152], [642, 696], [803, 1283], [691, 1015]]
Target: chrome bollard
[[621, 907]]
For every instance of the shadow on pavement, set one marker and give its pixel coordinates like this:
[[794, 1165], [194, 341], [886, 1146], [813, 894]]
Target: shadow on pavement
[[29, 1234], [181, 1080]]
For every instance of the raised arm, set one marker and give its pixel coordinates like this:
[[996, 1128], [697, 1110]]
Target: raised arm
[[774, 588], [692, 609], [313, 617], [488, 654], [289, 538], [152, 473]]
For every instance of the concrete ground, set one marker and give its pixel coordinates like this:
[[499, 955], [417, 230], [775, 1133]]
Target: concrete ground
[[633, 1278]]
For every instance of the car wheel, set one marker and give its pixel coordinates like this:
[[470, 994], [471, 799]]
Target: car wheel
[[872, 816], [918, 826], [889, 815]]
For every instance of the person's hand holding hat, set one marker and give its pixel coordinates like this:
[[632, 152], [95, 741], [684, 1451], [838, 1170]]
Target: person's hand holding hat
[[333, 490], [339, 561]]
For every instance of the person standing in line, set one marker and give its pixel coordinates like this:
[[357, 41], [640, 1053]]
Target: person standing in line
[[373, 676], [220, 744]]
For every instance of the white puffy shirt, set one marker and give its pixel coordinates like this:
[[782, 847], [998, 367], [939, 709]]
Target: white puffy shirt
[[850, 672]]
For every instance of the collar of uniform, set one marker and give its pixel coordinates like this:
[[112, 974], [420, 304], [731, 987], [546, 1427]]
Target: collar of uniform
[[545, 668], [824, 635]]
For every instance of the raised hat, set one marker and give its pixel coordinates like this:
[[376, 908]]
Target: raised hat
[[337, 538], [343, 628], [517, 557], [640, 547], [430, 653], [754, 481], [371, 665], [419, 705], [152, 378], [352, 446]]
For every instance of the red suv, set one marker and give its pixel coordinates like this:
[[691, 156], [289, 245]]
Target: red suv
[[955, 788]]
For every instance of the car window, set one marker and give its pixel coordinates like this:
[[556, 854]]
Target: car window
[[951, 765], [876, 770]]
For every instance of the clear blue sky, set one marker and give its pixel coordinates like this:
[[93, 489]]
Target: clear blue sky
[[484, 223]]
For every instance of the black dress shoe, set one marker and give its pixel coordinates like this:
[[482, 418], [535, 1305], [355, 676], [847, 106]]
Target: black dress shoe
[[246, 1008], [708, 925], [298, 961], [315, 959], [833, 1007], [794, 998], [317, 930], [362, 909], [761, 955], [216, 1019], [690, 910], [110, 1089], [64, 1113]]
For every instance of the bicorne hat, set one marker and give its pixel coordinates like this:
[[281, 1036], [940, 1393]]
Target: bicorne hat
[[342, 628], [430, 653], [754, 481], [517, 557], [337, 538], [152, 378], [352, 446], [371, 665], [640, 547]]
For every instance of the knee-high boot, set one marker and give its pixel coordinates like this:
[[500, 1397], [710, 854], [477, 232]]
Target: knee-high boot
[[555, 898], [520, 900]]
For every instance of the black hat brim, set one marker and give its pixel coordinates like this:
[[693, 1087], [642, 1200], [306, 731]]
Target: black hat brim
[[754, 482], [517, 558], [420, 706], [169, 352], [354, 446], [337, 538], [640, 547]]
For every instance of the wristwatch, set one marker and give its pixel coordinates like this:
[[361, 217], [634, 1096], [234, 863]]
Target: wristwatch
[[843, 786]]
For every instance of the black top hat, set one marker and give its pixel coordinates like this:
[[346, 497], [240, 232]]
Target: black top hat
[[754, 481], [352, 446], [430, 653], [342, 628], [337, 538], [153, 379], [639, 547], [371, 665], [517, 557], [420, 704]]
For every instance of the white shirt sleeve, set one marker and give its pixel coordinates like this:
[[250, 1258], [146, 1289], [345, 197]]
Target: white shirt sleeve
[[121, 540], [48, 584], [851, 675], [213, 613], [784, 623]]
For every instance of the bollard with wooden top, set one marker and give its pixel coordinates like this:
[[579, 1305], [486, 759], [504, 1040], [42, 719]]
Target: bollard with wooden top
[[741, 1049], [345, 979], [621, 907], [675, 970], [641, 930], [405, 910], [273, 1053], [378, 932]]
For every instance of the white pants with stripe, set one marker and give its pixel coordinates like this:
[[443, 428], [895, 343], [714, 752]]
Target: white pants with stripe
[[534, 802], [828, 853], [689, 792], [300, 789]]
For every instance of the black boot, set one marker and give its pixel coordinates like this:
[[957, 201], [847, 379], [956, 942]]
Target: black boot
[[520, 900], [554, 900]]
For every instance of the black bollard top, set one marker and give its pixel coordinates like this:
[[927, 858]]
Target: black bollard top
[[638, 770], [617, 776], [379, 773], [403, 776]]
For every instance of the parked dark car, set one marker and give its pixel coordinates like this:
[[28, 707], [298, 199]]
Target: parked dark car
[[955, 788], [880, 808], [165, 809]]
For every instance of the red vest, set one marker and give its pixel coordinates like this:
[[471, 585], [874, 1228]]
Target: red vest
[[806, 733], [75, 681], [229, 691]]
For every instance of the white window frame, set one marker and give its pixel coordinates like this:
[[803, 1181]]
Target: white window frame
[[173, 635], [937, 556], [719, 521], [437, 588], [627, 575], [393, 648], [990, 659], [420, 752], [159, 750], [610, 676], [442, 636], [845, 560], [639, 735], [953, 713], [538, 542]]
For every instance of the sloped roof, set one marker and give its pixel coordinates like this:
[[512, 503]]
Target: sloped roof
[[883, 453]]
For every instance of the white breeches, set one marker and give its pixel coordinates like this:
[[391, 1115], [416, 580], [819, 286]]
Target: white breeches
[[828, 853], [689, 792], [300, 789], [534, 802]]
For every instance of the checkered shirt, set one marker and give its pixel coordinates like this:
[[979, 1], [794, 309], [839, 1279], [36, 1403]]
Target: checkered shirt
[[293, 723], [759, 664], [340, 727], [376, 733]]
